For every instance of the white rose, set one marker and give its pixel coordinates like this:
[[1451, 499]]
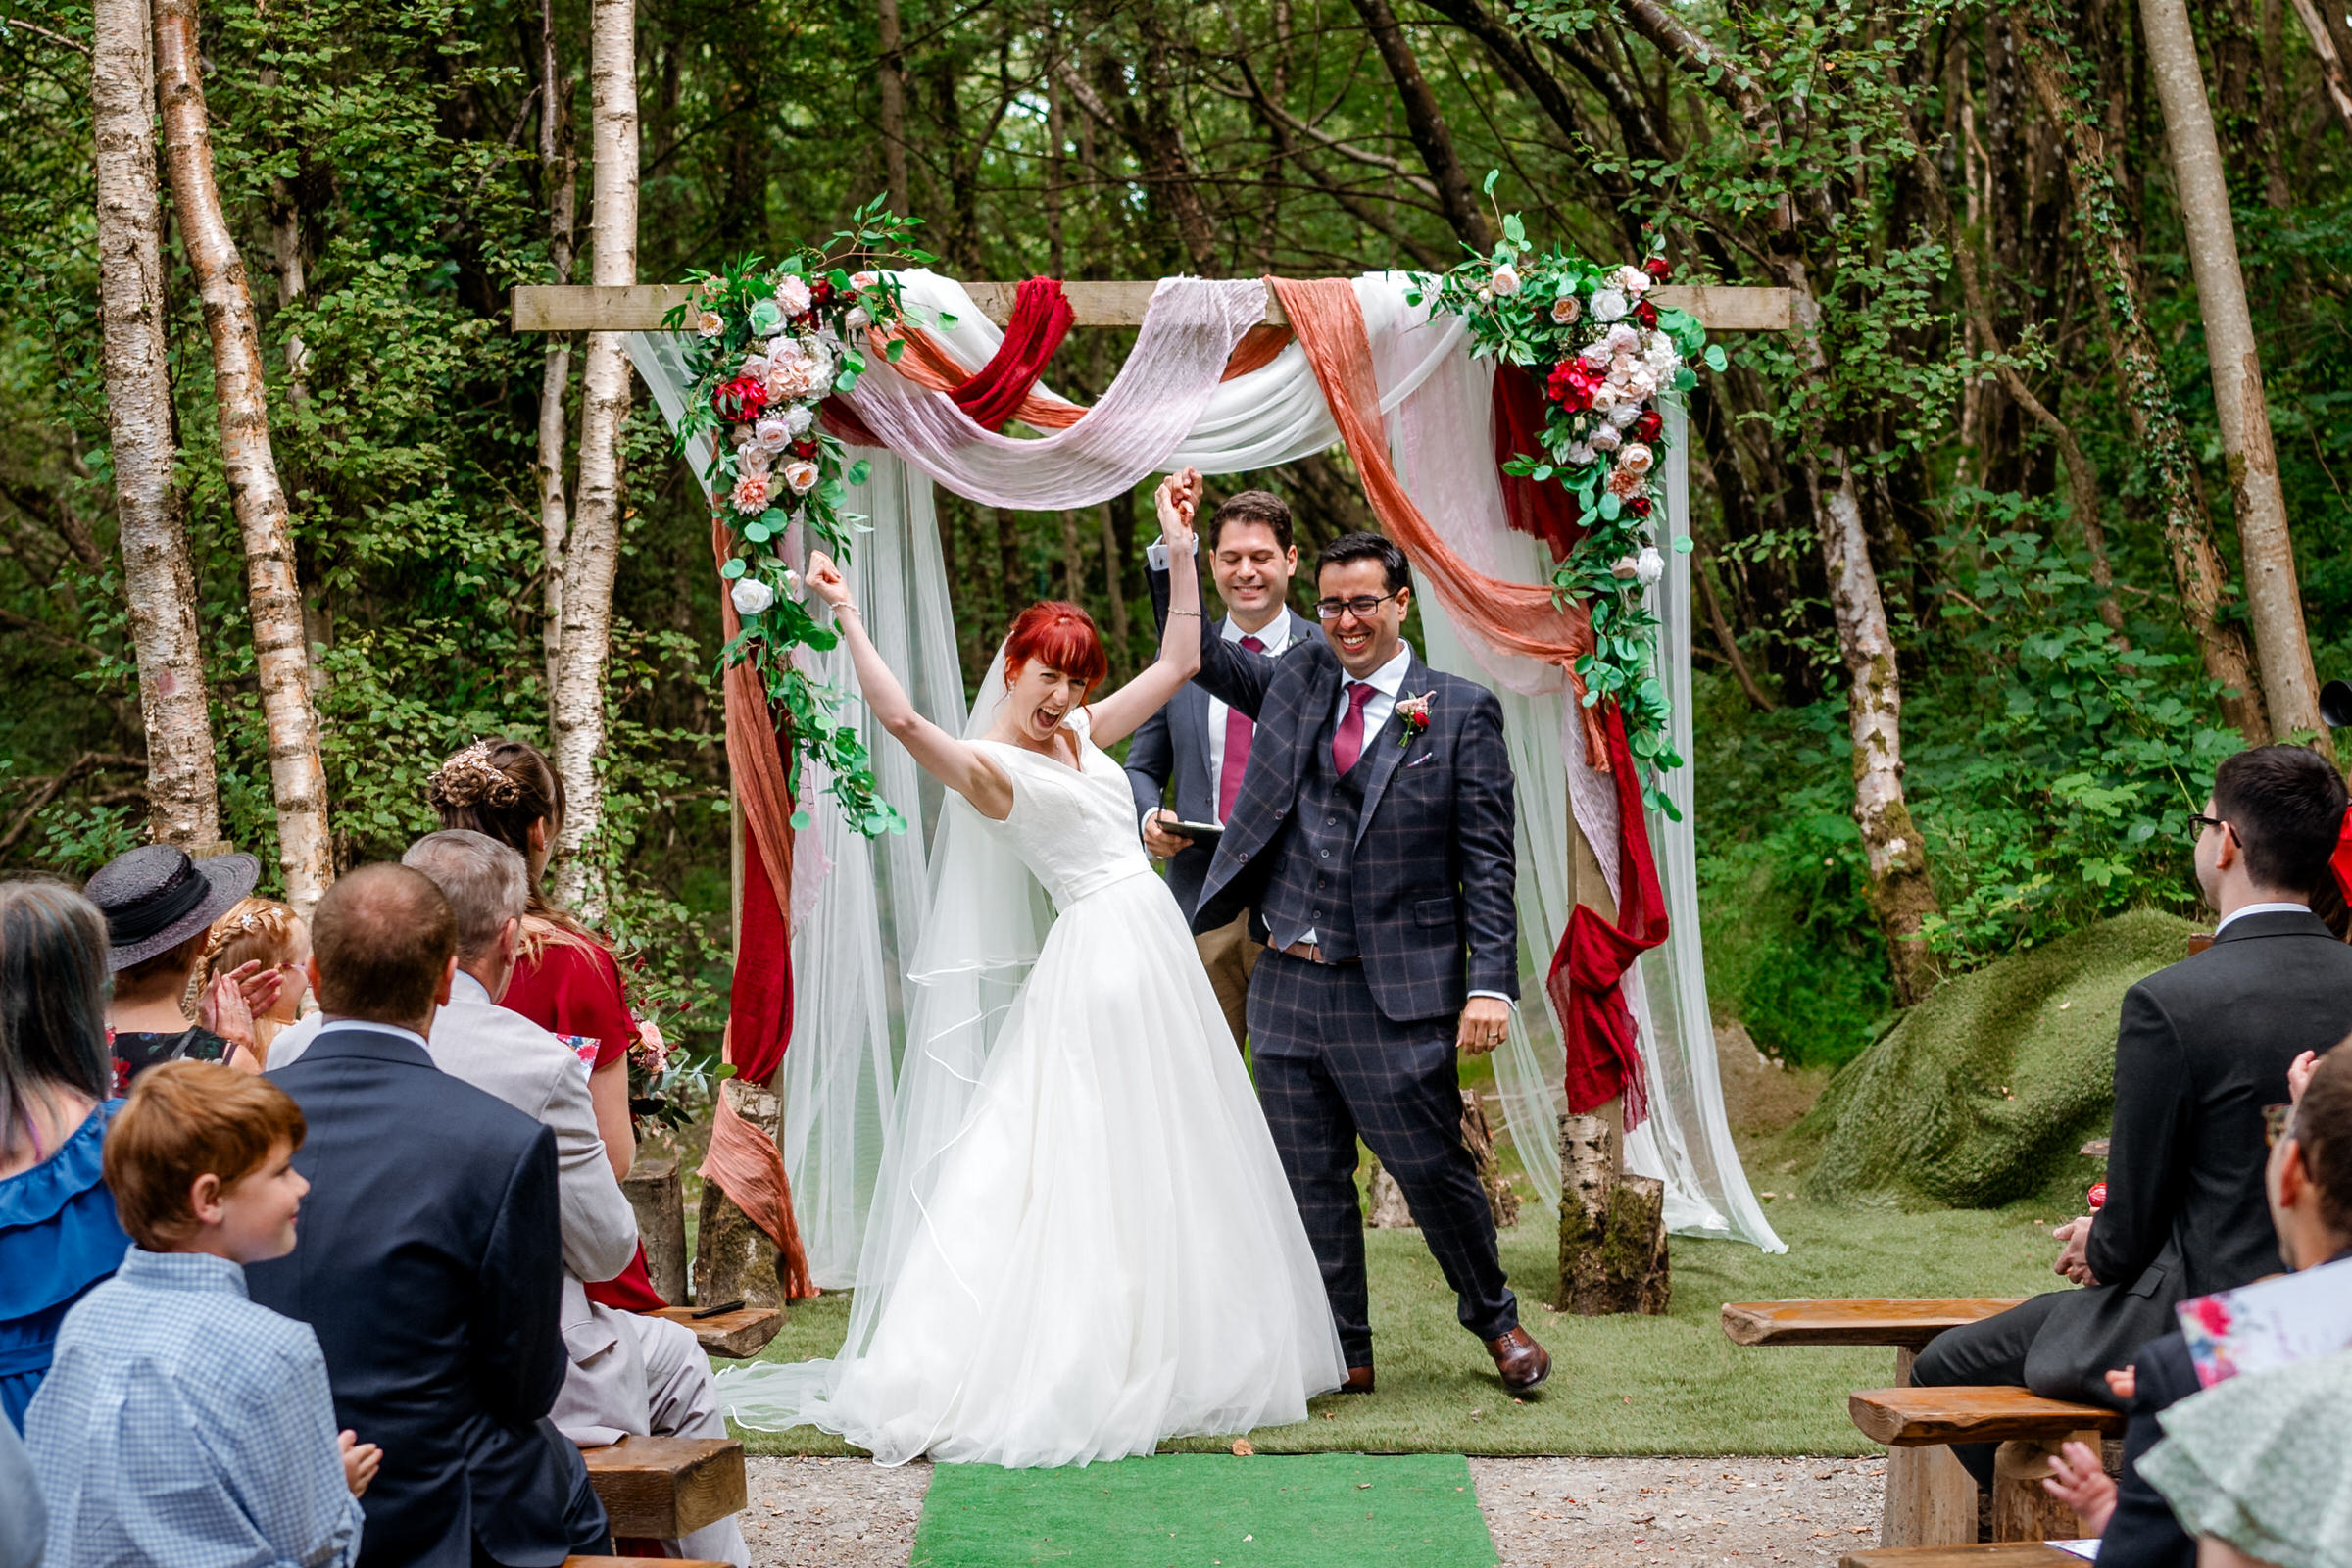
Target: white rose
[[798, 418], [1650, 567], [755, 366], [1609, 305], [1663, 357], [1605, 438], [756, 458], [1625, 414], [858, 319], [1640, 381], [752, 597], [1506, 281], [791, 295], [1486, 296], [1605, 398], [1632, 279], [1623, 339], [793, 584], [1637, 457], [771, 434], [1624, 567], [1581, 452], [709, 323], [1597, 355]]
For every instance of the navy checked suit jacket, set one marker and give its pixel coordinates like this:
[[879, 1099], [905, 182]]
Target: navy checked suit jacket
[[1436, 858], [1174, 744]]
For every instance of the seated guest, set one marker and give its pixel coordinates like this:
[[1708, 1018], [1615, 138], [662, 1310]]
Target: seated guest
[[2256, 1467], [57, 1232], [181, 1423], [432, 1264], [2309, 1184], [160, 907], [2202, 1047], [258, 936], [629, 1374]]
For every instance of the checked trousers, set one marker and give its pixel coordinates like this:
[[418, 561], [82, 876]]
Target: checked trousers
[[1331, 1065]]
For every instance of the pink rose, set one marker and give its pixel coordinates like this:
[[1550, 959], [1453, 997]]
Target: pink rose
[[1566, 309], [755, 458], [801, 475], [772, 433], [752, 494], [1625, 484]]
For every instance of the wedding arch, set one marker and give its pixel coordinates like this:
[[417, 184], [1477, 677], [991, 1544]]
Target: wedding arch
[[1229, 377]]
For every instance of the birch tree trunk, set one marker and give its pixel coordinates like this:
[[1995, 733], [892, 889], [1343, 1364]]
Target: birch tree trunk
[[274, 600], [2113, 262], [2291, 687], [559, 163], [576, 716], [892, 95], [159, 582]]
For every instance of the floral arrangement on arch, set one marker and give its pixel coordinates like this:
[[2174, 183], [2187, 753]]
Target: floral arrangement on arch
[[768, 343], [1602, 353]]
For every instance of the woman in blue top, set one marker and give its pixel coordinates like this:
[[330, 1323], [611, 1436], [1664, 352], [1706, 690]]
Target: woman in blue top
[[57, 1232]]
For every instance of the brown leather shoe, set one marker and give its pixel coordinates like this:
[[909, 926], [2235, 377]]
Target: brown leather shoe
[[1359, 1381], [1523, 1363]]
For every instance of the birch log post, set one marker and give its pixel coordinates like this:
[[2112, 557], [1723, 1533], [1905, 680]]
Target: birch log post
[[159, 582], [1613, 1256], [559, 161], [274, 600], [2291, 686], [591, 557]]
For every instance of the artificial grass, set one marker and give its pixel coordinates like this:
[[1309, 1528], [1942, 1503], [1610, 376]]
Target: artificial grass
[[1670, 1384], [1984, 1094], [1203, 1511]]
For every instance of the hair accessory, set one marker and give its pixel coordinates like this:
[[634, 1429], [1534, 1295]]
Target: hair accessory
[[469, 777]]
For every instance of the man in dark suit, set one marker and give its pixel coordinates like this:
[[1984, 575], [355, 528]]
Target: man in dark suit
[[2202, 1047], [1201, 744], [432, 1260], [1372, 837]]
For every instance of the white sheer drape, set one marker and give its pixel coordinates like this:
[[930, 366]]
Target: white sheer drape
[[859, 910]]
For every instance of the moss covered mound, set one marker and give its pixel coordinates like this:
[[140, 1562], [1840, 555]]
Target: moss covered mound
[[1985, 1092]]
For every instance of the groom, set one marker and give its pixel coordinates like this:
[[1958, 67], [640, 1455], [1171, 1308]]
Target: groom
[[1373, 836]]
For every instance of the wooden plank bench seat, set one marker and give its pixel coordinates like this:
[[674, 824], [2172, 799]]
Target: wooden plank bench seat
[[640, 1562], [1999, 1554], [1918, 1418], [661, 1488], [1904, 1324], [744, 1332]]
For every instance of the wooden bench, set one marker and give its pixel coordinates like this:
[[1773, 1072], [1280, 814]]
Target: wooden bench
[[2029, 1429], [640, 1562], [744, 1332], [1931, 1500], [2001, 1555], [661, 1487]]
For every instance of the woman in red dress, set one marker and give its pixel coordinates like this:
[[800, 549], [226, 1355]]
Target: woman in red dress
[[565, 979]]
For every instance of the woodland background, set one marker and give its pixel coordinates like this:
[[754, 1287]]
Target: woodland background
[[1976, 198]]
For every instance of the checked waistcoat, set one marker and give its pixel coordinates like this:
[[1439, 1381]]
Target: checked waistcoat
[[1312, 884]]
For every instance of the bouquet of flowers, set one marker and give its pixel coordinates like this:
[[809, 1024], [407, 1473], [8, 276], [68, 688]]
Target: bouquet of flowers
[[768, 343], [1603, 353]]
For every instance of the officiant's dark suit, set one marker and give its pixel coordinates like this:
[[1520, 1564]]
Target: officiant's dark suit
[[2201, 1048], [1403, 867]]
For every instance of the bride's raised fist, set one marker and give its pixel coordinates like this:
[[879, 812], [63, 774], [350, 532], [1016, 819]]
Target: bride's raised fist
[[1177, 500], [824, 579]]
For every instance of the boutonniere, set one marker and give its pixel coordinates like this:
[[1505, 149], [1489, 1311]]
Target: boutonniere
[[1412, 717]]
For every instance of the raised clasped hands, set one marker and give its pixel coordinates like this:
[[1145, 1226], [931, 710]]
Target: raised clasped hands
[[1177, 502], [824, 579], [2073, 1239]]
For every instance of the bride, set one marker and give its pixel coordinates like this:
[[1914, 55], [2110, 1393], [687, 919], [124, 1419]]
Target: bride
[[1082, 1241]]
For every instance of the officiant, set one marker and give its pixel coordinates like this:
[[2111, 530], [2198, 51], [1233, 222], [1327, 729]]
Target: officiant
[[1202, 746]]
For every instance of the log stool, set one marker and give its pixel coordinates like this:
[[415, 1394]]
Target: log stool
[[2028, 1427], [661, 1488]]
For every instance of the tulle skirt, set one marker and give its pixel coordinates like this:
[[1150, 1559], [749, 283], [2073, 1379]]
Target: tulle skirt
[[1110, 1254]]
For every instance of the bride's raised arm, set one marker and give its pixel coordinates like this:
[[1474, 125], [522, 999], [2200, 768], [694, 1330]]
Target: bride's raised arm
[[1124, 711], [954, 762]]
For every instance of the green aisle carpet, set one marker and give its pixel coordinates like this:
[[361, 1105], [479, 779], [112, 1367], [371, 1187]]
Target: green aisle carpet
[[1334, 1510]]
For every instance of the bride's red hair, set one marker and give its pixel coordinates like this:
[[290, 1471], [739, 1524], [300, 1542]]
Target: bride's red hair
[[1060, 636]]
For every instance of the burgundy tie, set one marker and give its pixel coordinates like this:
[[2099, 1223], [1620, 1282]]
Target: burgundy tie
[[1238, 730], [1348, 744]]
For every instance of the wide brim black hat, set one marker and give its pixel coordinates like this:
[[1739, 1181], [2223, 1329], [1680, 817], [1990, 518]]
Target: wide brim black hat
[[155, 897]]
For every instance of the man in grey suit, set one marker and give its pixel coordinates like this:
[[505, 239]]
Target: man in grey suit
[[629, 1374], [1202, 746]]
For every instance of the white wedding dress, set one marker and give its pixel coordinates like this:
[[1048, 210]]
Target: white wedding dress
[[1082, 1240]]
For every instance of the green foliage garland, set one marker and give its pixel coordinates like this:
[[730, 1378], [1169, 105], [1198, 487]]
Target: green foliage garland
[[1605, 355], [769, 342]]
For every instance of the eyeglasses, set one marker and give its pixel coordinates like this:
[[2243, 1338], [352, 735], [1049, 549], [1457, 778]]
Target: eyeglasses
[[2199, 823], [1360, 607], [2278, 1124]]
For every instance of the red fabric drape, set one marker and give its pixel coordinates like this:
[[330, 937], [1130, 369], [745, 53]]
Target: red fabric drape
[[1587, 970], [1544, 509], [760, 1000], [1041, 319]]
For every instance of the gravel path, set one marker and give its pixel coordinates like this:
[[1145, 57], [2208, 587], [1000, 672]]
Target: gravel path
[[1543, 1513]]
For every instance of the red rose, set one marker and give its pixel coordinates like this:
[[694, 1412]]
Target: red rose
[[1646, 314], [740, 401], [805, 450], [1639, 505], [820, 291], [1657, 267], [1647, 428]]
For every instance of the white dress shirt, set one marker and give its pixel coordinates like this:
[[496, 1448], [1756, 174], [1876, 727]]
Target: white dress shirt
[[2245, 909], [1276, 635]]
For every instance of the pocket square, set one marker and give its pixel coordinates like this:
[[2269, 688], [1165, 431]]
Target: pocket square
[[1418, 760]]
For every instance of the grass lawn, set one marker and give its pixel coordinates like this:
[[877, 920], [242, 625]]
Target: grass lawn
[[1622, 1384]]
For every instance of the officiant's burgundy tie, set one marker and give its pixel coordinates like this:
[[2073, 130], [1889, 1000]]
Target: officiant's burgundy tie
[[1238, 731], [1348, 744]]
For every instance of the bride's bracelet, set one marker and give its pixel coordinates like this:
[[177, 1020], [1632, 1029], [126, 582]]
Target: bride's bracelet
[[1195, 614]]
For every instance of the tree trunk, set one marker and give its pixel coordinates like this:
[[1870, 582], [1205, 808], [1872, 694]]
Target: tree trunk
[[1428, 127], [1114, 575], [1073, 561], [576, 716], [159, 582], [734, 1260], [2323, 32], [1613, 1251], [892, 107], [298, 783], [559, 161], [2113, 260], [2291, 687]]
